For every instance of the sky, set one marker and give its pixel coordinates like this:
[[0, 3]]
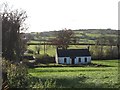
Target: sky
[[50, 15]]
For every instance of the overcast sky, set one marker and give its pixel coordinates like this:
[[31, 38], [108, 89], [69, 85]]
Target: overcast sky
[[49, 15]]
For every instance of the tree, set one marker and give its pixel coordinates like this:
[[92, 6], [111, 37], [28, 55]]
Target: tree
[[110, 42], [12, 25], [99, 44], [63, 38], [37, 49], [12, 43]]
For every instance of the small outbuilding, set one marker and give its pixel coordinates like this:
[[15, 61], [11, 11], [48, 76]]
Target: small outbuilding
[[73, 56]]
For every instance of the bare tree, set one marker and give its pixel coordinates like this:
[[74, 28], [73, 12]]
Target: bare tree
[[63, 38], [110, 42], [12, 25], [37, 49]]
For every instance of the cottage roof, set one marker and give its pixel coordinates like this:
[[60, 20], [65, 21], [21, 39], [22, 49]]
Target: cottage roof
[[73, 52]]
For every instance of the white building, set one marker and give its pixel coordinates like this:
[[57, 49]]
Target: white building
[[73, 56]]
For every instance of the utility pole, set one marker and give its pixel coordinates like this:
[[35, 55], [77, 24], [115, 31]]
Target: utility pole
[[0, 52], [44, 45]]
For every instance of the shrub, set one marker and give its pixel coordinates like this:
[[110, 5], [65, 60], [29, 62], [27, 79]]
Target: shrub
[[44, 58], [18, 76], [30, 51]]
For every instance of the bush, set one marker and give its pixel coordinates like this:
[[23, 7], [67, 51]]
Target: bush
[[18, 76], [44, 59], [41, 56], [30, 51]]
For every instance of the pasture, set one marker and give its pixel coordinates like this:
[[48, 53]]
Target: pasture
[[81, 77], [103, 76], [82, 36]]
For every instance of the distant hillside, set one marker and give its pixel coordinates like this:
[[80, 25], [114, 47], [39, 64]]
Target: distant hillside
[[92, 31], [97, 31], [82, 35]]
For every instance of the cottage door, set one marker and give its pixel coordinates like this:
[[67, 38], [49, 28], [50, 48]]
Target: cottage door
[[73, 61]]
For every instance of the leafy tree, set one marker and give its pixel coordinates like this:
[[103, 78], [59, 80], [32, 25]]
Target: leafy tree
[[12, 25]]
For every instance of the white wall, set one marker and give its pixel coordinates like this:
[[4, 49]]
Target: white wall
[[61, 60], [56, 58], [83, 60]]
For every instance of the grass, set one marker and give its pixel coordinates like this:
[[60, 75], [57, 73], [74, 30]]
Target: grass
[[32, 41], [50, 50], [81, 77], [94, 35]]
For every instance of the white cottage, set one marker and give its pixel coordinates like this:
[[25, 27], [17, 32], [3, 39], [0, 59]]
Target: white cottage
[[73, 56]]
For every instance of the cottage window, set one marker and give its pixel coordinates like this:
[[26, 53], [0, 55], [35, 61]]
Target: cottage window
[[65, 60], [85, 59], [79, 59]]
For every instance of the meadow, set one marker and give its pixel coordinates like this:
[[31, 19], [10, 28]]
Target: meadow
[[81, 77]]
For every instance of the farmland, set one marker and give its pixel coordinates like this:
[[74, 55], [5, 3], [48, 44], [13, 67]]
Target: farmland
[[81, 77], [82, 36], [102, 74]]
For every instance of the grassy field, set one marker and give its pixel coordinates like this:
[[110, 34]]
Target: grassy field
[[81, 77], [83, 37], [50, 50], [103, 76]]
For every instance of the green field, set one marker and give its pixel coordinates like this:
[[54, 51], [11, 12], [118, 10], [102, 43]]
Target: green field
[[82, 36], [81, 77], [103, 76], [50, 50]]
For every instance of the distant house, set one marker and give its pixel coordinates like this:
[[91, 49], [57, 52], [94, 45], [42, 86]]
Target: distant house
[[26, 36], [73, 56], [23, 36]]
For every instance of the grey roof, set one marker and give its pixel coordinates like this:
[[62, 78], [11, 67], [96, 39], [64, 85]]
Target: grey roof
[[73, 52]]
